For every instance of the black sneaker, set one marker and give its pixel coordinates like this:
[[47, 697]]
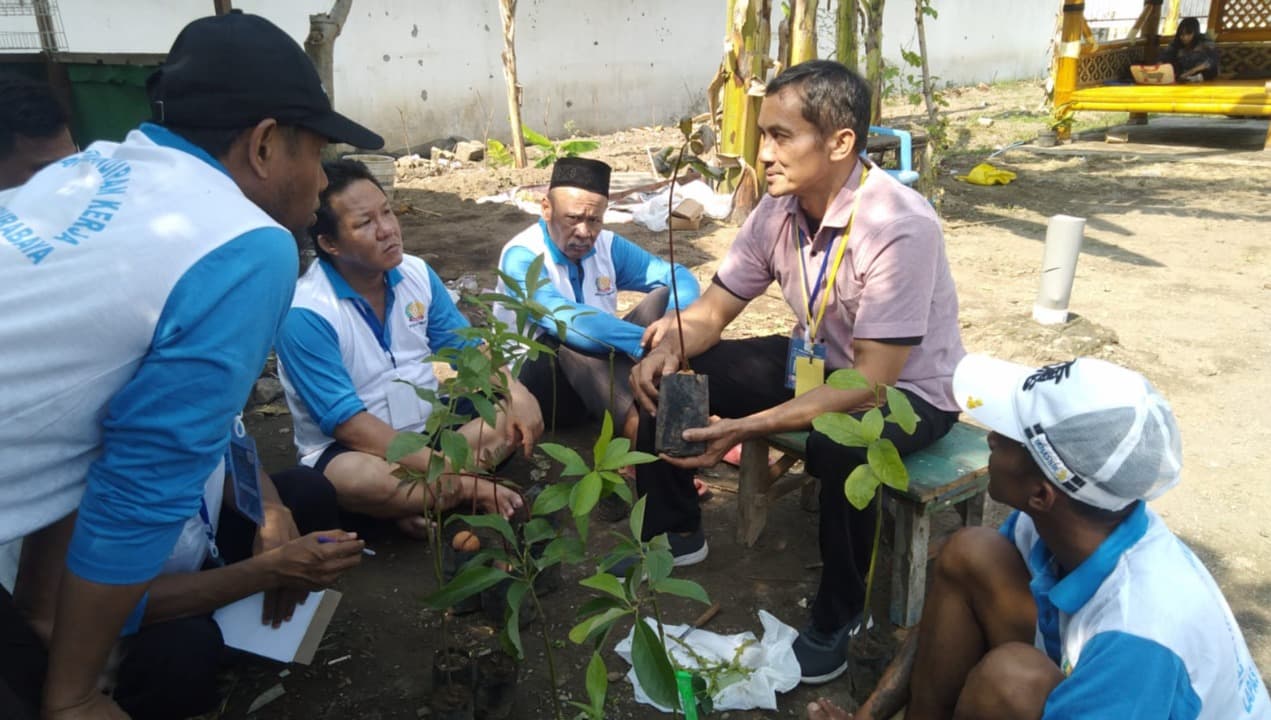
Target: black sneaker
[[822, 656], [689, 549]]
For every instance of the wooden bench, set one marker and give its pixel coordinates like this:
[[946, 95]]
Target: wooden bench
[[951, 473]]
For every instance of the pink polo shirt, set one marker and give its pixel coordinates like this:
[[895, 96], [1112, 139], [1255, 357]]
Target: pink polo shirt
[[894, 281]]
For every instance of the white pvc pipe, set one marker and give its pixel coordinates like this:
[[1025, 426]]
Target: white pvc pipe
[[1059, 266]]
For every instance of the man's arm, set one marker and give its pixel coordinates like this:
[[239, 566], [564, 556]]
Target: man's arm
[[303, 564], [588, 329], [642, 271], [164, 433], [703, 322]]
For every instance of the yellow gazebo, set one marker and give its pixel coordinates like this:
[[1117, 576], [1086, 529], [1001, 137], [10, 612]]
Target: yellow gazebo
[[1090, 75]]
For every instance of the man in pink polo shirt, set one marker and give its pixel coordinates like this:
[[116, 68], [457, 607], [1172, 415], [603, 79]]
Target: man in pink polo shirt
[[860, 259]]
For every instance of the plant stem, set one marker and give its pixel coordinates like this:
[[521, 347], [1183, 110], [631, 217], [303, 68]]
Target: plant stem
[[670, 245], [873, 557], [547, 647]]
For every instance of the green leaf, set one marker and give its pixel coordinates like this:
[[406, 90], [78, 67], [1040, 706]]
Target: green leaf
[[497, 523], [546, 161], [901, 410], [574, 148], [537, 530], [562, 549], [535, 138], [597, 682], [686, 127], [884, 460], [598, 605], [605, 583], [658, 564], [468, 582], [486, 410], [622, 491], [637, 519], [553, 498], [872, 425], [859, 487], [682, 588], [847, 379], [653, 667], [602, 441], [403, 444], [456, 449], [573, 462], [842, 428], [585, 494], [584, 630], [512, 617], [614, 453]]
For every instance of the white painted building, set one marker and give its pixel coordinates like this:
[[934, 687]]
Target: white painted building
[[420, 69]]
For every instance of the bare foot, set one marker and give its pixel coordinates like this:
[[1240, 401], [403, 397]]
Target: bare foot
[[490, 496], [416, 527], [823, 709]]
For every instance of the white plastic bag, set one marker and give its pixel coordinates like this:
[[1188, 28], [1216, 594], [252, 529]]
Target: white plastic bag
[[652, 212], [771, 663]]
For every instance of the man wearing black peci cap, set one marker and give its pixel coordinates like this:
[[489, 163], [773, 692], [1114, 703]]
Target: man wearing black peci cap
[[585, 267], [144, 283]]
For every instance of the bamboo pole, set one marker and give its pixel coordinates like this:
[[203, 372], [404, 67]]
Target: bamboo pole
[[1171, 18], [508, 13], [846, 47], [803, 31]]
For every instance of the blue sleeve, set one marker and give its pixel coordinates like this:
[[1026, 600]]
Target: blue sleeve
[[444, 318], [639, 269], [1124, 677], [309, 351], [167, 428], [589, 329], [1008, 527]]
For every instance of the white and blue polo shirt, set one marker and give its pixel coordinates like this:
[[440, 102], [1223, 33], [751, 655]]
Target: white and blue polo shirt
[[584, 294], [336, 359], [141, 293], [1140, 629]]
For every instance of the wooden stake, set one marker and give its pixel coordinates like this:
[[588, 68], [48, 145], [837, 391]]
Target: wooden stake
[[222, 7], [508, 13]]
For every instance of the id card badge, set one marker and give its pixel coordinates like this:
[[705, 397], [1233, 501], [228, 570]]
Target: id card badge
[[405, 408], [805, 364], [244, 469]]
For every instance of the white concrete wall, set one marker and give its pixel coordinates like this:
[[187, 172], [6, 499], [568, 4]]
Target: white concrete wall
[[416, 70]]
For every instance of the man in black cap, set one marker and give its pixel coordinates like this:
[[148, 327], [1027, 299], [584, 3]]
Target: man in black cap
[[585, 267], [33, 131], [145, 281]]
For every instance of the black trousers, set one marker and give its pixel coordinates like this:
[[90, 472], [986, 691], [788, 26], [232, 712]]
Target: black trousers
[[748, 376], [169, 668]]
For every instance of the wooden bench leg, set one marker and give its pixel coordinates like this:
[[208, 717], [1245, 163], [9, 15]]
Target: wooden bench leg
[[753, 479], [909, 564], [973, 509]]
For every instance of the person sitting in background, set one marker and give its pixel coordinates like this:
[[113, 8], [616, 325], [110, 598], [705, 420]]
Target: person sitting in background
[[33, 131], [352, 350], [1084, 604], [586, 266], [1193, 55]]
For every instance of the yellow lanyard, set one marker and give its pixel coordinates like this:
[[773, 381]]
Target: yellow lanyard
[[826, 283]]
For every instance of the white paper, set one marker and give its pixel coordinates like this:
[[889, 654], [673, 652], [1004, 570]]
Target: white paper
[[293, 641]]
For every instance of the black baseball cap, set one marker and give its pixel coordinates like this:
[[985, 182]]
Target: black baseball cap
[[234, 70]]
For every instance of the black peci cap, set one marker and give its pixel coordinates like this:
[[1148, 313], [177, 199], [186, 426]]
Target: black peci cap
[[234, 70], [585, 173]]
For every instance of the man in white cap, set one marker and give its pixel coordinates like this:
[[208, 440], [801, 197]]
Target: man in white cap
[[1084, 604]]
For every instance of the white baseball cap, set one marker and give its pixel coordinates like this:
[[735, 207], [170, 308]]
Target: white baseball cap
[[1100, 432]]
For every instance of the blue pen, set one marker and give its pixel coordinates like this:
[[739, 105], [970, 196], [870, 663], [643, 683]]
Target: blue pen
[[324, 540]]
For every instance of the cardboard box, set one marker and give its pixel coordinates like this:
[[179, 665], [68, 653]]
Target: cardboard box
[[687, 215]]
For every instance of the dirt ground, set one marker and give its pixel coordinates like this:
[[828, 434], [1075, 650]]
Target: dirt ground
[[1173, 280]]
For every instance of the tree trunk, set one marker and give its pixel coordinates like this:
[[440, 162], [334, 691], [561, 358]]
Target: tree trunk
[[846, 47], [324, 28], [920, 7], [874, 56], [745, 64], [507, 10], [802, 31]]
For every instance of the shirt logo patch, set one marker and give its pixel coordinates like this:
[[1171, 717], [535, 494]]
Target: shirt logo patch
[[416, 313], [604, 285]]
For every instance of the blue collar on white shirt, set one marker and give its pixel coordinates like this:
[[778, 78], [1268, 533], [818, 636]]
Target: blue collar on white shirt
[[343, 290], [1072, 592], [164, 137]]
